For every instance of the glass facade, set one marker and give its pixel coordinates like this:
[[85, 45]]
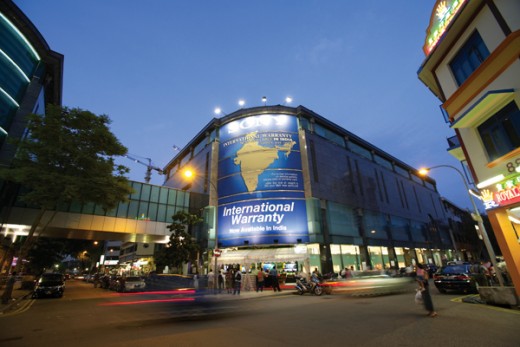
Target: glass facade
[[147, 202], [18, 63]]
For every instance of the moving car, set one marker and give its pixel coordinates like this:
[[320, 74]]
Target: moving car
[[368, 283], [49, 284], [459, 277]]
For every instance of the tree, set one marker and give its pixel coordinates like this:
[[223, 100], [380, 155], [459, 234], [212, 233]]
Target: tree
[[182, 247], [67, 156], [45, 254]]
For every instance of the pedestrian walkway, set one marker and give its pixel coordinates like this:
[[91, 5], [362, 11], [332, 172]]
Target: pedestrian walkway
[[17, 295]]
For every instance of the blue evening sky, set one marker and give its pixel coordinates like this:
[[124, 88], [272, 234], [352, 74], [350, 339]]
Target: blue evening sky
[[158, 69]]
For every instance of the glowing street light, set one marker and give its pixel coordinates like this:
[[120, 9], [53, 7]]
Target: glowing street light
[[476, 216], [288, 100], [241, 103]]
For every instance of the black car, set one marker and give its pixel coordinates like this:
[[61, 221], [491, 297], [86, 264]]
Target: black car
[[459, 277], [50, 284]]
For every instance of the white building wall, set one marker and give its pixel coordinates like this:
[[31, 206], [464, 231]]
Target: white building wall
[[492, 36], [510, 10]]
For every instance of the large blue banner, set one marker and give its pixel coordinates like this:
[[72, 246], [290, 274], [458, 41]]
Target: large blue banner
[[263, 222], [260, 186]]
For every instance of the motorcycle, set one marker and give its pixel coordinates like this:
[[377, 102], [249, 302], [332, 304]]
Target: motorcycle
[[302, 286]]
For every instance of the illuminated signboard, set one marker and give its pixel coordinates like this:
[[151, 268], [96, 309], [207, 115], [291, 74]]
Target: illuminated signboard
[[505, 193], [443, 14], [260, 185]]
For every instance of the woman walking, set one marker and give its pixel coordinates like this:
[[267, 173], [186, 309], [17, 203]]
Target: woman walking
[[425, 291]]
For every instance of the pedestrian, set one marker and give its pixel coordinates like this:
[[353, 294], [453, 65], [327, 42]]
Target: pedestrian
[[419, 276], [346, 272], [260, 277], [211, 280], [273, 274], [221, 281], [96, 279], [238, 282], [425, 292], [229, 281]]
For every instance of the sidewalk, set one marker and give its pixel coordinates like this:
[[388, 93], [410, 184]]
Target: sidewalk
[[17, 295]]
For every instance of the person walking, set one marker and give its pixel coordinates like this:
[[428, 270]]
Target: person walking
[[425, 292], [273, 274], [260, 278], [238, 282]]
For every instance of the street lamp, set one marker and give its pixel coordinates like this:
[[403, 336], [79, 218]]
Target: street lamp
[[476, 216], [213, 201]]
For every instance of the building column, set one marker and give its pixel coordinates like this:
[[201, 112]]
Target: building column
[[508, 243]]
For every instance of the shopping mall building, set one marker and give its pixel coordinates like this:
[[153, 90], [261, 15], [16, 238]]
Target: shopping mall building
[[286, 185]]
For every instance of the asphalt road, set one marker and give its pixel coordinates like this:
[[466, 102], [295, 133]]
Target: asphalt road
[[95, 317]]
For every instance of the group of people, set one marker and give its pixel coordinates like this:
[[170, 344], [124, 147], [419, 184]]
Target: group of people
[[231, 280], [261, 277]]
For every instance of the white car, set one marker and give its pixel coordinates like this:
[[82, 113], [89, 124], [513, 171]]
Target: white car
[[131, 284]]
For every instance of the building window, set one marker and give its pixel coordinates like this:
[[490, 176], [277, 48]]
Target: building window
[[501, 133], [469, 58]]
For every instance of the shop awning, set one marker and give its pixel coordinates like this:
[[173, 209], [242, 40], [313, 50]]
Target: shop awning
[[489, 104], [265, 255]]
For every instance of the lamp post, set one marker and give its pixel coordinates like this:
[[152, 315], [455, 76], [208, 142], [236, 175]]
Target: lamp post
[[213, 197], [476, 216]]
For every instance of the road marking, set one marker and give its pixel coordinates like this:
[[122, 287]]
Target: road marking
[[24, 306]]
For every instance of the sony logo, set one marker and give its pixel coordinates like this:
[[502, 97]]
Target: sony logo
[[257, 121]]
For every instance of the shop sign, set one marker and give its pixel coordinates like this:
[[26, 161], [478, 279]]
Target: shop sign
[[503, 194], [443, 14]]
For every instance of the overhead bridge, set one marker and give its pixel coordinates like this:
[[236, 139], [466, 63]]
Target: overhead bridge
[[144, 218]]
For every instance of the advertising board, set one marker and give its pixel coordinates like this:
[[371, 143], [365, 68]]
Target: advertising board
[[260, 185]]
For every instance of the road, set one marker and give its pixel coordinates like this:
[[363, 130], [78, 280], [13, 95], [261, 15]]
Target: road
[[88, 316]]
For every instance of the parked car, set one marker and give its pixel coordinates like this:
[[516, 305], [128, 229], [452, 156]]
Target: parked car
[[432, 269], [49, 284], [459, 277], [131, 283]]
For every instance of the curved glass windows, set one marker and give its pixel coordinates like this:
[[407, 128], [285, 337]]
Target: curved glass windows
[[16, 46]]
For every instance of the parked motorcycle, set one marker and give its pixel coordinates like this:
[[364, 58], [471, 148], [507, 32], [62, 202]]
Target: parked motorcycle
[[302, 286]]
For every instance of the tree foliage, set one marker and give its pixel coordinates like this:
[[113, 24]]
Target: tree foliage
[[44, 255], [182, 247], [68, 156]]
